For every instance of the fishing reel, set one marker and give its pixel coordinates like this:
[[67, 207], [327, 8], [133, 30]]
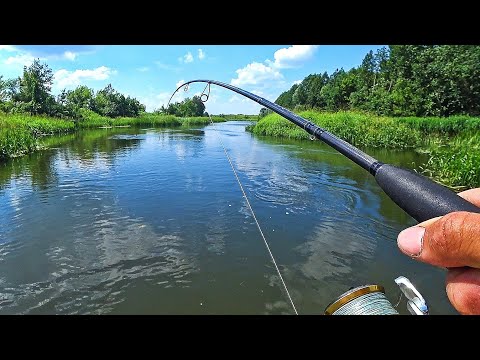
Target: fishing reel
[[371, 300]]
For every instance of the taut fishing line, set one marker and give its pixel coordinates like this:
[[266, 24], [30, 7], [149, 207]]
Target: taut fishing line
[[204, 97], [419, 196]]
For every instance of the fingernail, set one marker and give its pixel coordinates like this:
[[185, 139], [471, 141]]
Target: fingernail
[[410, 240]]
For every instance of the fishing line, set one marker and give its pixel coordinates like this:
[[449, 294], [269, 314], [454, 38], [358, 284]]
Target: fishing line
[[250, 207], [419, 196]]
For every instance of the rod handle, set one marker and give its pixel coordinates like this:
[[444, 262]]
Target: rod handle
[[419, 196]]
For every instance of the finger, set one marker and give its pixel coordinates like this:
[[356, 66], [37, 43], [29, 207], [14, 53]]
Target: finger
[[463, 290], [472, 195], [429, 221], [451, 241]]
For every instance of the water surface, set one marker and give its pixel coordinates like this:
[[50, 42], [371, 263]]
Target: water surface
[[152, 221]]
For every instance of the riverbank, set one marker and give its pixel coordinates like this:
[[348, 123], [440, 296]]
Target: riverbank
[[452, 143], [19, 133]]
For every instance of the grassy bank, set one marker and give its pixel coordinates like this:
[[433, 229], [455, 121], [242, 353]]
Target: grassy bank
[[356, 128], [19, 133], [239, 117], [93, 120], [453, 143]]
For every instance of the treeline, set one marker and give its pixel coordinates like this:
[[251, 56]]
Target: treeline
[[186, 108], [31, 94], [398, 80]]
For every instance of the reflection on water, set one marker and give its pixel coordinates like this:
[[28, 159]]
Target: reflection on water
[[152, 221]]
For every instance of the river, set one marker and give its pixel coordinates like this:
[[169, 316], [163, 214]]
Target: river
[[152, 221]]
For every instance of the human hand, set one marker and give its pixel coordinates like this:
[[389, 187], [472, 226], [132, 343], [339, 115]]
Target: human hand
[[451, 241]]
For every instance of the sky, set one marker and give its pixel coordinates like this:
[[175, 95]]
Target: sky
[[151, 73]]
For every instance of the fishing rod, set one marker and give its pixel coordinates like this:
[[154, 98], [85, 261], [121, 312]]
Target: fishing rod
[[417, 195]]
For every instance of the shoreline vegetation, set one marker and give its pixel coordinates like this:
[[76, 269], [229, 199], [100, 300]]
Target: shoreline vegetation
[[452, 143], [20, 133], [421, 97], [29, 111]]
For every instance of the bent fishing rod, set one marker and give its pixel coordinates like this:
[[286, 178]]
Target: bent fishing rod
[[416, 194]]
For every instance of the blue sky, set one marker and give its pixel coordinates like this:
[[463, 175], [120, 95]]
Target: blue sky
[[151, 73]]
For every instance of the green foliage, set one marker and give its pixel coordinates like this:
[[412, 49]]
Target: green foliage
[[453, 143], [3, 90], [264, 112], [401, 80], [357, 128], [31, 94], [16, 142], [19, 132], [241, 117], [186, 108], [452, 125], [109, 102], [455, 163]]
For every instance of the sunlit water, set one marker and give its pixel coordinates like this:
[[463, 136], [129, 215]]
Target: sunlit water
[[152, 221]]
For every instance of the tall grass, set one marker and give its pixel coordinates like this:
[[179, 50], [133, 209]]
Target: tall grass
[[19, 132], [38, 125], [357, 128], [452, 125], [453, 143], [240, 117], [455, 162], [16, 142], [91, 120]]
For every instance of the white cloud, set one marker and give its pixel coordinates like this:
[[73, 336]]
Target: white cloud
[[64, 78], [8, 48], [153, 102], [69, 55], [255, 73], [180, 82], [20, 59], [217, 103], [143, 69], [293, 56], [201, 54], [187, 58], [242, 99], [268, 75], [297, 82]]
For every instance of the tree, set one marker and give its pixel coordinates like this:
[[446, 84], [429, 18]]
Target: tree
[[3, 89], [186, 108], [109, 102], [80, 98], [264, 112], [35, 87], [286, 98]]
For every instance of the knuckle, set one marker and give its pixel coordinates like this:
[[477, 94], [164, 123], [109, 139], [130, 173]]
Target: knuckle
[[449, 238]]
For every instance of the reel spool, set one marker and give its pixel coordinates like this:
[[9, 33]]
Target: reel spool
[[371, 300]]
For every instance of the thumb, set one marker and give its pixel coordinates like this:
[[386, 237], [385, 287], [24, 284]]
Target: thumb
[[451, 241]]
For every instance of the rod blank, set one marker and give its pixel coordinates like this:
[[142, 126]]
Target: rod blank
[[416, 194]]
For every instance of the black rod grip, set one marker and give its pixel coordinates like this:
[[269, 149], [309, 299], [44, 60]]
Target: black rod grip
[[419, 196]]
